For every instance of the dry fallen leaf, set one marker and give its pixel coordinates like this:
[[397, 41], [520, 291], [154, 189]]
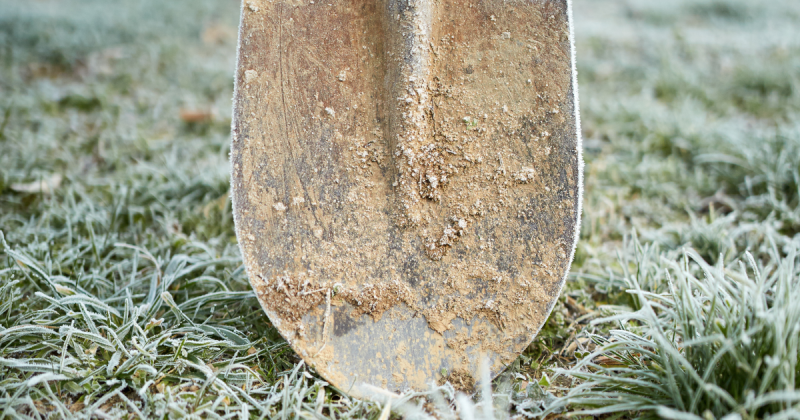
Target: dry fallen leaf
[[75, 407], [66, 291], [607, 361], [195, 115], [43, 185]]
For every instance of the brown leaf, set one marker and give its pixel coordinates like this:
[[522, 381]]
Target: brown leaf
[[195, 115], [607, 361], [43, 185], [77, 406]]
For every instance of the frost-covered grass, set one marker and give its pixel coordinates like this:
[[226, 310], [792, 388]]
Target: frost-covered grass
[[122, 292], [696, 340]]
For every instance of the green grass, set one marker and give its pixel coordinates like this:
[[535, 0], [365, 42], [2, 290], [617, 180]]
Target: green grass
[[122, 291]]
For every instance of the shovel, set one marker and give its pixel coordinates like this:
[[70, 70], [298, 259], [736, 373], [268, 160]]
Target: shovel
[[406, 181]]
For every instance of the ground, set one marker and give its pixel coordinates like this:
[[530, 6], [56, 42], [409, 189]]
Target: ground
[[122, 291]]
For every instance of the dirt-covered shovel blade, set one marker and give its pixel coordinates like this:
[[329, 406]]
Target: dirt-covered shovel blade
[[406, 180]]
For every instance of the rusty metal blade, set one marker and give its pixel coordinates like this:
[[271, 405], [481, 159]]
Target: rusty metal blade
[[406, 180]]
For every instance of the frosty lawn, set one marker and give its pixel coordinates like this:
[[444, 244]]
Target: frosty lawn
[[122, 291]]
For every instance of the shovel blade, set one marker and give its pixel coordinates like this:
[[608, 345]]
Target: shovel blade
[[406, 180]]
